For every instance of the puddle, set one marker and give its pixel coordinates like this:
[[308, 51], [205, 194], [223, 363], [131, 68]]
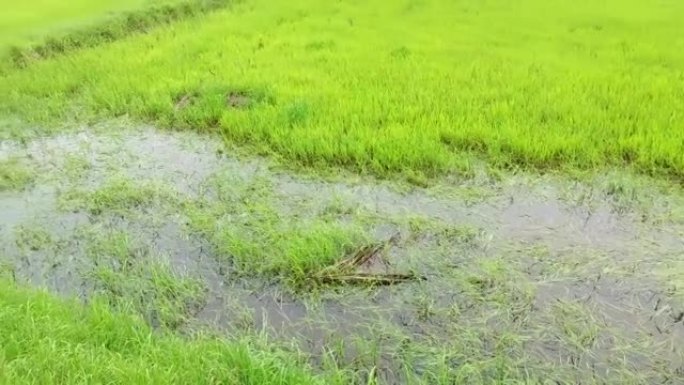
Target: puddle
[[532, 250], [515, 214]]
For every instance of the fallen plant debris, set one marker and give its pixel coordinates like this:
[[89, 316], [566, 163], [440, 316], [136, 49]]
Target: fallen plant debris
[[347, 271]]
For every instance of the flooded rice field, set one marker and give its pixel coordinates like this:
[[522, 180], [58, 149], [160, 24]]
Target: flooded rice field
[[553, 280]]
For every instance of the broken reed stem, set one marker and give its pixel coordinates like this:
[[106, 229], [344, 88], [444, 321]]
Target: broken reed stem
[[343, 271]]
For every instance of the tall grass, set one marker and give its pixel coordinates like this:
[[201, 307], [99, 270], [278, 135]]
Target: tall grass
[[385, 86]]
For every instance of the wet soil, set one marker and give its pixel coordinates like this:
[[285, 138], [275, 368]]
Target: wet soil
[[578, 286]]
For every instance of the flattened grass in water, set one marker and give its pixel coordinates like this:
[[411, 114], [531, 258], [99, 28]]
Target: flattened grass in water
[[247, 229], [244, 225], [569, 84], [44, 340], [117, 195], [129, 275], [15, 175]]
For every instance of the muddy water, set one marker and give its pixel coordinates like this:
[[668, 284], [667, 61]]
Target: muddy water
[[587, 255]]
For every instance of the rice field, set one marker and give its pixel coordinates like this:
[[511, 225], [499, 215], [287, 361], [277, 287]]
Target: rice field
[[432, 83], [378, 192], [29, 22]]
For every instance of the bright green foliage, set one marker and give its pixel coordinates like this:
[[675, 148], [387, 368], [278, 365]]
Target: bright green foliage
[[47, 341], [418, 87], [384, 86], [127, 275], [114, 28], [22, 21]]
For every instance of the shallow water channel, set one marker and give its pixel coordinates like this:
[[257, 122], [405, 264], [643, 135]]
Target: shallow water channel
[[564, 281]]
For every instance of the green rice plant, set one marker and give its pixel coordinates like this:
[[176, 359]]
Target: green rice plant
[[33, 238], [420, 90], [27, 22]]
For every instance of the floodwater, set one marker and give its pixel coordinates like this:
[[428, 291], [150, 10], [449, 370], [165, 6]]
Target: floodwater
[[534, 263]]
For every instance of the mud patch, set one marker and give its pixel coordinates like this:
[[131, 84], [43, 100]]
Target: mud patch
[[238, 100], [183, 101]]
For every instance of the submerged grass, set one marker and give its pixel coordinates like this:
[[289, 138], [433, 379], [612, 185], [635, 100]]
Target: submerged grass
[[247, 229], [546, 86], [33, 238], [493, 309], [242, 220], [44, 340], [15, 174], [129, 275], [117, 195]]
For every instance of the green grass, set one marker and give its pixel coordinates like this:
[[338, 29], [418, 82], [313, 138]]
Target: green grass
[[420, 88], [493, 309], [387, 87], [245, 225], [131, 276], [33, 238], [158, 13], [22, 22], [117, 195], [44, 340], [248, 229], [15, 175]]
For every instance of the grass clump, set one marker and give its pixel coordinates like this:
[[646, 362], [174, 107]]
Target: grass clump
[[129, 277], [75, 167], [44, 340], [261, 242], [247, 228], [117, 195], [33, 238], [15, 175]]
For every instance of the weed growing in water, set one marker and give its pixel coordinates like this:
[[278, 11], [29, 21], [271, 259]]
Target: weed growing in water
[[257, 240], [117, 195], [15, 175], [33, 238], [480, 317], [76, 167], [130, 276]]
